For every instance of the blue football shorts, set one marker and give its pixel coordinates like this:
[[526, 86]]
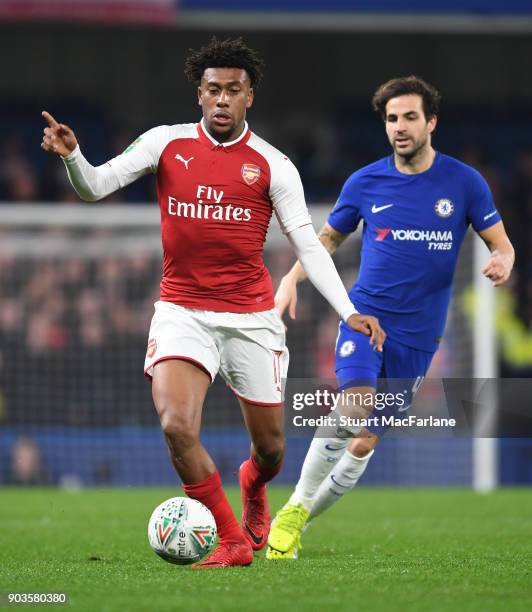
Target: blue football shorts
[[399, 369]]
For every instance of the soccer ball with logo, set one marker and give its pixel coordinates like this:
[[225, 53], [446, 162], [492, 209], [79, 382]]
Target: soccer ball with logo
[[182, 530]]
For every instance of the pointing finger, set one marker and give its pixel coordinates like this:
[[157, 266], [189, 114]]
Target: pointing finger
[[49, 119]]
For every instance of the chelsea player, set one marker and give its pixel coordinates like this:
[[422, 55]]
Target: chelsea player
[[416, 206]]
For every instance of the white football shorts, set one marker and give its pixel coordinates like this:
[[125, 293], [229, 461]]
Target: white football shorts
[[248, 349]]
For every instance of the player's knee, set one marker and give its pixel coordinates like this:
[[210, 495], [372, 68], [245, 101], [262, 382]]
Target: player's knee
[[360, 447], [179, 428]]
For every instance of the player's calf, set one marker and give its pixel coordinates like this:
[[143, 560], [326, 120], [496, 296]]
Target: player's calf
[[342, 478], [265, 425]]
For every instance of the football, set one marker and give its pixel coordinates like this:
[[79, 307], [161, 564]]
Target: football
[[182, 530]]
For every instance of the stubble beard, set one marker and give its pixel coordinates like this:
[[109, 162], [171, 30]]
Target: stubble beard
[[224, 134], [417, 148], [408, 156]]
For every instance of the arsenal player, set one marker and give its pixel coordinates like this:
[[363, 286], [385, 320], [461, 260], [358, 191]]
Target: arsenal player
[[218, 184]]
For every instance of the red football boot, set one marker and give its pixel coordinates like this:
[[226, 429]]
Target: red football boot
[[228, 554], [255, 510]]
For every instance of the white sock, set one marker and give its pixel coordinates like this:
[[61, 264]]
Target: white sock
[[342, 478], [322, 455]]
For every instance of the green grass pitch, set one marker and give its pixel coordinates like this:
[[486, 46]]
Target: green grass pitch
[[377, 549]]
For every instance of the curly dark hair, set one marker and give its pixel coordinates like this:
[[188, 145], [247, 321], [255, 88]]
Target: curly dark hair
[[228, 53], [407, 85]]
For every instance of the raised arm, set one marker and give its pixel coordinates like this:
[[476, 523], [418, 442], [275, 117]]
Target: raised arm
[[94, 183], [91, 183], [500, 264]]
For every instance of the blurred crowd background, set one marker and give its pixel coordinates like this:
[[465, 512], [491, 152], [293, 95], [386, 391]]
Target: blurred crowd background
[[72, 325]]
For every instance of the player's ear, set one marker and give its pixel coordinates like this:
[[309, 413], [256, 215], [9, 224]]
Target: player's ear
[[432, 123], [249, 100], [199, 96]]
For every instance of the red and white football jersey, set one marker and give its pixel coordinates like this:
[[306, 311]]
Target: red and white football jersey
[[216, 201]]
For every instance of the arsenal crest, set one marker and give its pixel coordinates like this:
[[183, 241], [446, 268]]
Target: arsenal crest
[[250, 173]]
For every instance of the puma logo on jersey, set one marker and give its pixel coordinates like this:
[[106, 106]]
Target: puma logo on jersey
[[185, 161], [376, 209]]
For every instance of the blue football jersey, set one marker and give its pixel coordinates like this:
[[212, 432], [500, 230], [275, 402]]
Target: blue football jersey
[[413, 227]]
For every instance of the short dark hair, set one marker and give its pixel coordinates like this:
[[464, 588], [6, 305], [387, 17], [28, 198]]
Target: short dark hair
[[403, 86], [228, 53]]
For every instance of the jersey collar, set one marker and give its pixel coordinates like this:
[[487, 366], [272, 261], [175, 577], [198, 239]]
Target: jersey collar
[[433, 166], [232, 145]]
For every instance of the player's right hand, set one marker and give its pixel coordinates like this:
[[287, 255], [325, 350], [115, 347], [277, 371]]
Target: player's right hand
[[369, 326], [57, 137], [286, 296]]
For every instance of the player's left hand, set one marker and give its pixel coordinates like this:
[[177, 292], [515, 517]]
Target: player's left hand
[[369, 326], [499, 268]]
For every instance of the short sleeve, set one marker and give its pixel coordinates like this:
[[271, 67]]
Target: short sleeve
[[287, 194], [481, 211], [345, 216], [141, 156]]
